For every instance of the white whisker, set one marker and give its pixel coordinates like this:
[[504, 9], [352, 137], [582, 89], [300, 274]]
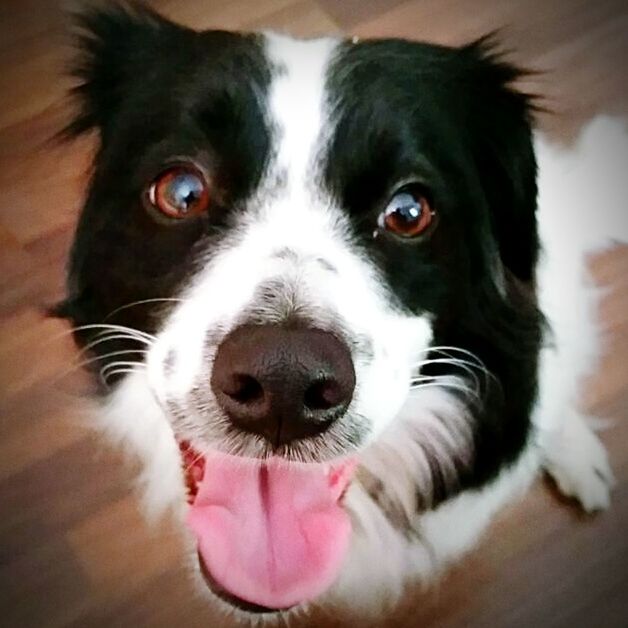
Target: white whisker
[[437, 383], [105, 370], [84, 363], [142, 302], [442, 348], [111, 336], [463, 364], [121, 328], [477, 363], [120, 371]]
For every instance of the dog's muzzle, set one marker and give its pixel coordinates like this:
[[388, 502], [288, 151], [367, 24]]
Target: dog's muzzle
[[272, 532]]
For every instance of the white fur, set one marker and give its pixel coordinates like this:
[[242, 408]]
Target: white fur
[[582, 203], [133, 419]]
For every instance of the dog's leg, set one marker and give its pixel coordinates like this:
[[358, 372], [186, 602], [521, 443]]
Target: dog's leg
[[571, 180], [576, 459]]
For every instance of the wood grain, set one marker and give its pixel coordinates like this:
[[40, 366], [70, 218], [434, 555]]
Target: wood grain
[[73, 548]]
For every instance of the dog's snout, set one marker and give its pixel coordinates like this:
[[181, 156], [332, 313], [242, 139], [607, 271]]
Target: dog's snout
[[283, 383]]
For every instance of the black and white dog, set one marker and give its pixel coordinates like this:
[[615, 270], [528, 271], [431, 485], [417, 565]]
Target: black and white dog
[[323, 316]]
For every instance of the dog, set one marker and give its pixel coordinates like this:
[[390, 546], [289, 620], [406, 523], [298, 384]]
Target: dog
[[321, 305]]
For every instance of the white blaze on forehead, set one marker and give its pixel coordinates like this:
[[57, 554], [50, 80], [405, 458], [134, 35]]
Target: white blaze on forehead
[[297, 214], [297, 102]]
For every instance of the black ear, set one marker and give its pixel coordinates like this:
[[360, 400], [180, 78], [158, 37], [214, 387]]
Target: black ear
[[118, 44], [503, 116]]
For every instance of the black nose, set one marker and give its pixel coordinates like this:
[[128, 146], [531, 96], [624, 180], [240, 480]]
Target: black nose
[[283, 383]]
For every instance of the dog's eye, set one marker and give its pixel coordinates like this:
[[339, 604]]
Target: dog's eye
[[180, 192], [408, 214]]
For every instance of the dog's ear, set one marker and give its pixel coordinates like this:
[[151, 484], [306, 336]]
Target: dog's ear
[[118, 46], [502, 117]]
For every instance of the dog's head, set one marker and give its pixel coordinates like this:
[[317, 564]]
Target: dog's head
[[293, 253]]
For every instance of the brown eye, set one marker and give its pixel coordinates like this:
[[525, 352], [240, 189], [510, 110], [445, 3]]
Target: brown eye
[[180, 192], [408, 214]]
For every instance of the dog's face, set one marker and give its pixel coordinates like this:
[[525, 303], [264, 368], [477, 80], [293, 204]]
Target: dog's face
[[289, 243]]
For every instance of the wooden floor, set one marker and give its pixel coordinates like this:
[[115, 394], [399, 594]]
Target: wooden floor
[[73, 549]]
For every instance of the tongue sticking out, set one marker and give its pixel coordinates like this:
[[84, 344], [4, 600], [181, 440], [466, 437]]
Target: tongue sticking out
[[271, 533]]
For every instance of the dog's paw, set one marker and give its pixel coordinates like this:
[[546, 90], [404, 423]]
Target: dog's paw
[[578, 462]]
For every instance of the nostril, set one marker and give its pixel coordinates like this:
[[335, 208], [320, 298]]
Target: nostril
[[244, 389], [323, 395]]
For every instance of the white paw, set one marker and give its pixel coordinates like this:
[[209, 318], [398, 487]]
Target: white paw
[[578, 462]]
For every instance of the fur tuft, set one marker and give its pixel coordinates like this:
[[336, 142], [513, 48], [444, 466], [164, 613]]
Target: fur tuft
[[117, 44]]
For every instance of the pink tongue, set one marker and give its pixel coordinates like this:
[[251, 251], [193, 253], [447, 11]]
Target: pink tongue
[[271, 533]]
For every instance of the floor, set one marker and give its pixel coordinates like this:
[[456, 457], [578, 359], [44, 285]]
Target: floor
[[73, 548]]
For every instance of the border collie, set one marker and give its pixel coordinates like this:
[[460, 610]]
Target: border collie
[[324, 310]]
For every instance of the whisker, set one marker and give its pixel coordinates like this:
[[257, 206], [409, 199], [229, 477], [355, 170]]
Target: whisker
[[446, 350], [463, 364], [473, 362], [111, 333], [454, 349], [120, 371], [422, 378], [445, 384], [79, 365], [105, 371], [478, 363], [111, 336], [469, 363], [142, 302], [119, 328]]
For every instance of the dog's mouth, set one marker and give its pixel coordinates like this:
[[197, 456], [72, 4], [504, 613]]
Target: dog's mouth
[[271, 534]]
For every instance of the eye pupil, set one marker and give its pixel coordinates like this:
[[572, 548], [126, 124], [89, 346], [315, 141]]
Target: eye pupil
[[408, 209], [408, 214], [183, 191], [180, 192]]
